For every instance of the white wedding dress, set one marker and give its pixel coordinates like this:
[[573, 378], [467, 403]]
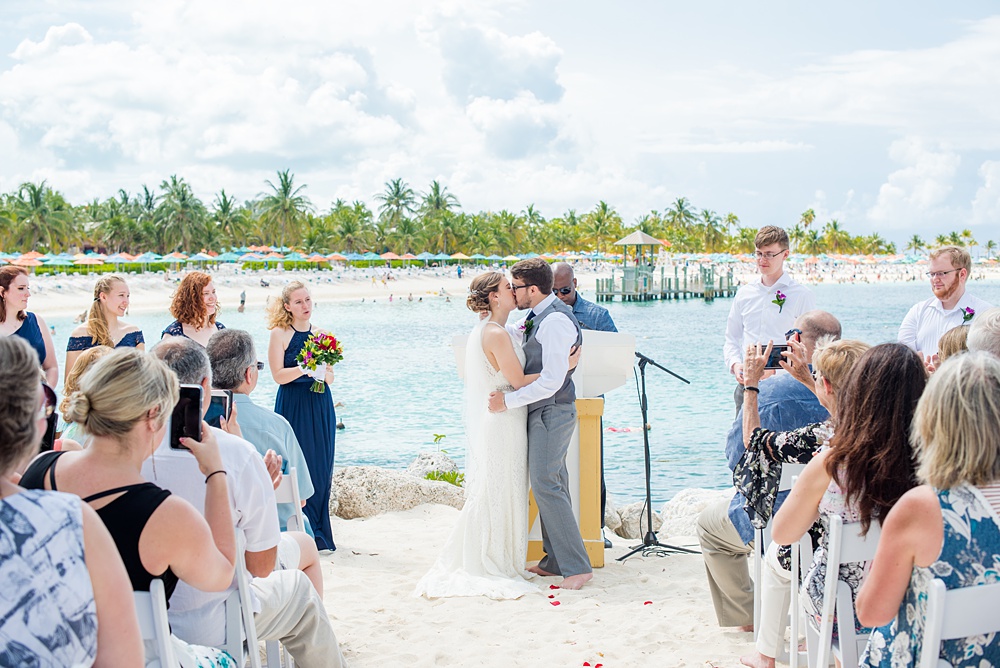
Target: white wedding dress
[[486, 552]]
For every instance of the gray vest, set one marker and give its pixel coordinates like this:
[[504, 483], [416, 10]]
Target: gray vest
[[533, 355]]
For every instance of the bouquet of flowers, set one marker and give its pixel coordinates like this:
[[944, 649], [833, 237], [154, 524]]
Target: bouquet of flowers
[[320, 350]]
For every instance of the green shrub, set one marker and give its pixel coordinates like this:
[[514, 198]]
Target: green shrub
[[454, 477]]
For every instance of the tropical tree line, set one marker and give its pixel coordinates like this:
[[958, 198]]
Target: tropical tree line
[[403, 220]]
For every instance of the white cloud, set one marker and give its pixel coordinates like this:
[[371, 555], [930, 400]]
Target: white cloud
[[514, 128], [918, 192], [986, 205]]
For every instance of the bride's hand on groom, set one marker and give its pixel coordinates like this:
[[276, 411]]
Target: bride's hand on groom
[[574, 356], [497, 404]]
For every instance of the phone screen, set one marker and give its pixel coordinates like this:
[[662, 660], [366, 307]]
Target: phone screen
[[776, 356], [221, 407], [186, 417]]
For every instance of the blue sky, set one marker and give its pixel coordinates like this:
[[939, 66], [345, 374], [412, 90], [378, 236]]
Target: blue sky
[[885, 116]]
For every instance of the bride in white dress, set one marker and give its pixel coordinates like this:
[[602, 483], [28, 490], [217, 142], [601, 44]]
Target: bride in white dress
[[487, 550]]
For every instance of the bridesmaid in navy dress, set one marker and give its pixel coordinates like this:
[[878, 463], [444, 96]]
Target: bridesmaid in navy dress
[[15, 319], [195, 307], [103, 327], [311, 414]]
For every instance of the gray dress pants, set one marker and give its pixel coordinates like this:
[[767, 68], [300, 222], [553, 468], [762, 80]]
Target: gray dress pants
[[550, 429]]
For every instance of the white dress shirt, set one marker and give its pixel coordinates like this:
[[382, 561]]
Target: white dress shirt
[[557, 335], [753, 318], [926, 321], [195, 616]]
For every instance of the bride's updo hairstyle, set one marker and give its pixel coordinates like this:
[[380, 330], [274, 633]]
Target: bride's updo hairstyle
[[481, 289], [120, 390]]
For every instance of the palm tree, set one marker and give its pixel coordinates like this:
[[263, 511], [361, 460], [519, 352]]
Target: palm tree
[[807, 218], [285, 207], [40, 217], [711, 230], [916, 244], [835, 236], [680, 216], [990, 247], [968, 240], [601, 224], [398, 200], [180, 215], [941, 240], [225, 216], [813, 242], [796, 235]]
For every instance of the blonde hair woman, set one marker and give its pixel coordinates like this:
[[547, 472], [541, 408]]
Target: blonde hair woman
[[195, 307], [17, 320], [311, 414], [947, 528], [103, 327], [123, 404], [66, 599], [84, 360]]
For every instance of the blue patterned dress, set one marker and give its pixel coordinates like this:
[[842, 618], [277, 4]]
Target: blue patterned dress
[[47, 611], [80, 343], [970, 555], [314, 422]]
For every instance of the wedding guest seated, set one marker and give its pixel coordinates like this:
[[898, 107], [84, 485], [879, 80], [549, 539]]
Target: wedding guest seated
[[102, 326], [724, 528], [946, 528], [865, 468], [72, 431], [287, 607], [984, 333], [195, 307], [952, 342], [66, 598], [123, 404], [235, 368], [759, 470]]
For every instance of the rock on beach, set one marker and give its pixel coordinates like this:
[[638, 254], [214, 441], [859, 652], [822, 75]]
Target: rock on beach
[[366, 491]]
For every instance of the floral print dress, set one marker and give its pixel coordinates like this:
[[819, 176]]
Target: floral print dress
[[970, 555]]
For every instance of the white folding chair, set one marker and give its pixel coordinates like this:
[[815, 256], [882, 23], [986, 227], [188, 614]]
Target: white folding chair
[[762, 538], [151, 608], [239, 613], [802, 556], [957, 613], [287, 491], [845, 545]]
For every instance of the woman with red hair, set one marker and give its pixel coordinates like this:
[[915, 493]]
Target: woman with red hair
[[195, 307]]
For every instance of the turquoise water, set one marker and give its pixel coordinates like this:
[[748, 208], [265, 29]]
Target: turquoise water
[[399, 385]]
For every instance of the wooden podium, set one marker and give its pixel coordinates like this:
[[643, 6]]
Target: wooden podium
[[604, 365]]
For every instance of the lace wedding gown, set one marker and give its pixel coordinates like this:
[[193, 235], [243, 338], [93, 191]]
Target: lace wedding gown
[[486, 552]]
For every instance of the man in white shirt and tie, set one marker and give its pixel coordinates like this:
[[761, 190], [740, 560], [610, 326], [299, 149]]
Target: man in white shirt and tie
[[765, 309], [948, 268]]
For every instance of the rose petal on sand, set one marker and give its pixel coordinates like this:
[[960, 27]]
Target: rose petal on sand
[[554, 602]]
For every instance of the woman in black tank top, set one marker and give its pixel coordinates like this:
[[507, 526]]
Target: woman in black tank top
[[123, 404]]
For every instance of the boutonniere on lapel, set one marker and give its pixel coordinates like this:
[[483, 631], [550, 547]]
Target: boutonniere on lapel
[[526, 326], [779, 299], [968, 314]]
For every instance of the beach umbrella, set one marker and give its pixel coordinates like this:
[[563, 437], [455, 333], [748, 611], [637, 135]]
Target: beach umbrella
[[148, 257], [274, 256], [316, 258], [460, 256], [57, 262], [295, 257], [25, 261], [228, 258], [477, 256], [88, 262], [510, 258], [176, 256], [201, 257], [32, 255], [389, 256], [442, 256], [250, 257], [371, 256], [494, 256], [117, 258], [337, 257], [354, 257], [425, 256], [408, 256]]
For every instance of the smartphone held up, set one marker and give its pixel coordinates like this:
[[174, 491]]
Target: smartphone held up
[[185, 421]]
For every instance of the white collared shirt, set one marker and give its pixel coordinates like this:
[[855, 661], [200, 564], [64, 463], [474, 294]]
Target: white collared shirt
[[754, 318], [927, 321], [557, 335]]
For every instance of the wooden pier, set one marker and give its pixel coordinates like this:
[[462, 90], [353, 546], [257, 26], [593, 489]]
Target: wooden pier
[[641, 283]]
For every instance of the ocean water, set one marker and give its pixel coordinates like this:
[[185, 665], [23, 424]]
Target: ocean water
[[399, 386]]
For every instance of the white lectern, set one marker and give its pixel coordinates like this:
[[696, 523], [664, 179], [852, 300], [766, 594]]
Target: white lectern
[[605, 365]]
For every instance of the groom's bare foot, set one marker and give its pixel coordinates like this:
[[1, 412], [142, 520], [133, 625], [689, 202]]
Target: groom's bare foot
[[576, 581], [538, 571]]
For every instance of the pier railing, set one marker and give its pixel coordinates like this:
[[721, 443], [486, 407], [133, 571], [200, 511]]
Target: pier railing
[[646, 283]]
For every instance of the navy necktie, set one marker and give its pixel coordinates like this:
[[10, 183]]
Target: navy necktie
[[531, 316]]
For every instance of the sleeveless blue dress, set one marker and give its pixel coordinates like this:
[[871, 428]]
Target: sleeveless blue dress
[[314, 422], [177, 329], [130, 340], [30, 332]]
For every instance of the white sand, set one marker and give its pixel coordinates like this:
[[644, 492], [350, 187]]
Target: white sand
[[370, 579]]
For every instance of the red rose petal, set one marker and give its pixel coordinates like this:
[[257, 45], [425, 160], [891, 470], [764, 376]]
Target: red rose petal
[[553, 587], [647, 603], [552, 595], [598, 665], [554, 602], [586, 663]]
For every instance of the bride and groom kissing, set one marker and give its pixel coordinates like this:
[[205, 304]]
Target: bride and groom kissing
[[520, 414]]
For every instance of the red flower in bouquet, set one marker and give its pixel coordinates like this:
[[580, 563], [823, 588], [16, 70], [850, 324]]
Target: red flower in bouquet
[[321, 348]]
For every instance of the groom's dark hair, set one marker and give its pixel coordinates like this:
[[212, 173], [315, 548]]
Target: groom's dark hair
[[534, 271]]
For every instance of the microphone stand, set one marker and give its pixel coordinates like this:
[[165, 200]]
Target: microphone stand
[[650, 545]]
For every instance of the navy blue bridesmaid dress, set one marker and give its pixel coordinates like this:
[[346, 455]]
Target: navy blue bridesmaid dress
[[314, 422]]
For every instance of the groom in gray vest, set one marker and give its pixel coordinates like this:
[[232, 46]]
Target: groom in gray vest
[[550, 332]]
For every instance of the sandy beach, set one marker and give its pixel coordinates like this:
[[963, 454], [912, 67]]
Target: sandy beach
[[644, 611]]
